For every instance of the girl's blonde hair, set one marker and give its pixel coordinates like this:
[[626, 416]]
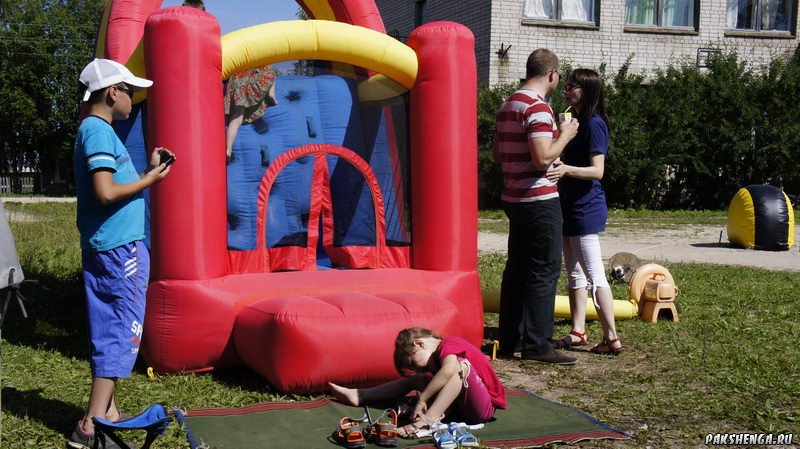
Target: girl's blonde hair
[[404, 348]]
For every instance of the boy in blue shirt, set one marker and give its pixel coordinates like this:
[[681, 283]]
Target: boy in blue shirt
[[116, 263]]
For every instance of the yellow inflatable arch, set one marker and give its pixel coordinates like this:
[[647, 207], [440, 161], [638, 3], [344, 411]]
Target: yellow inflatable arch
[[395, 63], [318, 39]]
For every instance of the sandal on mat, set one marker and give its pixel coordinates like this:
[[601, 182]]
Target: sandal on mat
[[421, 428], [463, 436], [415, 430], [607, 347], [383, 433], [349, 434], [443, 438], [566, 342]]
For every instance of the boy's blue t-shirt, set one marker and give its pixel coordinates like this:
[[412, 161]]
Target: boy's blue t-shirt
[[583, 202], [105, 227]]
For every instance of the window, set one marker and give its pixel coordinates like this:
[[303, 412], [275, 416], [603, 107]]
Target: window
[[561, 10], [760, 15], [662, 13]]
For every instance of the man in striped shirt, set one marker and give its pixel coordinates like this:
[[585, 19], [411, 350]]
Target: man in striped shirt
[[527, 142]]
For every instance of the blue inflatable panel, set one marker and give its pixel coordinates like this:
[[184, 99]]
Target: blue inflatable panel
[[132, 133], [322, 109]]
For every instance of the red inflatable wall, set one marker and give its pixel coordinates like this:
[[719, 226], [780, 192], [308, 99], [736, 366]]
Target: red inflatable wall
[[126, 27], [355, 12], [444, 148], [184, 59]]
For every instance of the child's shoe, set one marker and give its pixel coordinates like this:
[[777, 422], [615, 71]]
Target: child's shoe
[[442, 436], [82, 440], [383, 431], [463, 436]]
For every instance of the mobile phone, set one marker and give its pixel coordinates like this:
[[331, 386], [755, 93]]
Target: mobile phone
[[166, 158]]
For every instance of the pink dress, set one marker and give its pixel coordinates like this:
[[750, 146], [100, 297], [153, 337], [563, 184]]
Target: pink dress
[[482, 390]]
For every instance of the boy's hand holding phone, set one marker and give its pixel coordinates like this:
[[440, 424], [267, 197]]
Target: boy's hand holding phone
[[166, 158], [161, 156], [160, 161]]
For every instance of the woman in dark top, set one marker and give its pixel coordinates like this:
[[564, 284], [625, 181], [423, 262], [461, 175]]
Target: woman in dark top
[[583, 205]]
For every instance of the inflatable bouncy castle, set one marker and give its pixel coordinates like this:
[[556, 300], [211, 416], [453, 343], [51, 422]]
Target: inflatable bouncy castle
[[347, 213]]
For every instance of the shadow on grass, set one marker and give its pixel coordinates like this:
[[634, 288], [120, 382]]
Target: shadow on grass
[[56, 317], [246, 379], [56, 415]]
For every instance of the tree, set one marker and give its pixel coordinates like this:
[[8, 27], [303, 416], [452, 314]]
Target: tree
[[44, 44]]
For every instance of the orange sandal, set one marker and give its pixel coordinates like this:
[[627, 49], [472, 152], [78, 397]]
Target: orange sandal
[[383, 433], [349, 434], [566, 342], [607, 347]]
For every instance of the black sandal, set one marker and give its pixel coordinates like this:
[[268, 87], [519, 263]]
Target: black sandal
[[566, 342]]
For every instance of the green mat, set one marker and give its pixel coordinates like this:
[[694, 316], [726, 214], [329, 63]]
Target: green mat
[[529, 421]]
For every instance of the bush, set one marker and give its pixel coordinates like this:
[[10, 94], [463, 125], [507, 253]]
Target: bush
[[685, 137], [490, 178]]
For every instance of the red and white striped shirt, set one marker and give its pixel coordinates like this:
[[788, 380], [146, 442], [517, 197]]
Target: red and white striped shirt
[[524, 116]]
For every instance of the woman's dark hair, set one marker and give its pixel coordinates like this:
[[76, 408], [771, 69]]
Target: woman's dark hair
[[592, 99]]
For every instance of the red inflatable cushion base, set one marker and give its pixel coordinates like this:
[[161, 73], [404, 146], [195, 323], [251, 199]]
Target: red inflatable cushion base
[[299, 343]]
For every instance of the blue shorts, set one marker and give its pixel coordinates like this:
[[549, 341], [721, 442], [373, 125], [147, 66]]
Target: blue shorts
[[116, 283]]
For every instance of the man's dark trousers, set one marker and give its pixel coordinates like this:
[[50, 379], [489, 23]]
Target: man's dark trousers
[[530, 279]]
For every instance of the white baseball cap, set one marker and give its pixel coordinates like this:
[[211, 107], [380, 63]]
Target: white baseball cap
[[102, 73]]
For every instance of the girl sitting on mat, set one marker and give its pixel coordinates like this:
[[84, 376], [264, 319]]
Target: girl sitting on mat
[[450, 373]]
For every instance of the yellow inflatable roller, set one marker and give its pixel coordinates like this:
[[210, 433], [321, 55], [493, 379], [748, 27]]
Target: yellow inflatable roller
[[622, 309], [395, 63]]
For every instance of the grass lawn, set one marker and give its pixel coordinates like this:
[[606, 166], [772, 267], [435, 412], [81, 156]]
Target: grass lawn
[[729, 365], [618, 220]]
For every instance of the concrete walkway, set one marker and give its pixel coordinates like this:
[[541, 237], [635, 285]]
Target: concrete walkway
[[689, 243]]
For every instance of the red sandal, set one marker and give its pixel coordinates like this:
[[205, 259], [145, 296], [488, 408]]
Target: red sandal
[[566, 342], [607, 347]]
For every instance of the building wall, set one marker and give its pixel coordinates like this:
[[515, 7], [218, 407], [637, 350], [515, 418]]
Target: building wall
[[500, 22], [612, 43], [398, 18]]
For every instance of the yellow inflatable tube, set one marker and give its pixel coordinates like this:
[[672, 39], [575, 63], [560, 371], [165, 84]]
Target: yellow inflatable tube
[[622, 309], [395, 63], [318, 39]]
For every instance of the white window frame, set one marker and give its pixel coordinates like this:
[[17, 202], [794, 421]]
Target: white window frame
[[559, 10], [694, 15], [757, 5]]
